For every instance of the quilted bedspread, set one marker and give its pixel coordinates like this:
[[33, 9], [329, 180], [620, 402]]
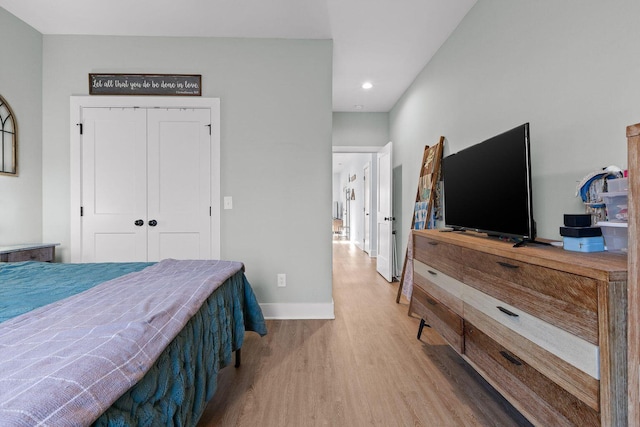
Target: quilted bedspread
[[66, 363]]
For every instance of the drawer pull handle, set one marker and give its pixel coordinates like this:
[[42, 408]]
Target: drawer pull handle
[[432, 302], [433, 243], [507, 265], [510, 358], [505, 311], [433, 273]]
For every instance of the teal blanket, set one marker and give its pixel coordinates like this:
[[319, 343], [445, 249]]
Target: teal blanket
[[25, 286], [175, 390]]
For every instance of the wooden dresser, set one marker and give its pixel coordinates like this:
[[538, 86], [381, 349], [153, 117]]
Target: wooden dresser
[[544, 326]]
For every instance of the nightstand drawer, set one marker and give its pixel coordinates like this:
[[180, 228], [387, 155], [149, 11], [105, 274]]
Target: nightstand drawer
[[564, 299], [439, 317], [39, 254], [535, 393]]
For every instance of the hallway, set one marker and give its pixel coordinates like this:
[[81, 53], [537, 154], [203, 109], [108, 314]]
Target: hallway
[[365, 368]]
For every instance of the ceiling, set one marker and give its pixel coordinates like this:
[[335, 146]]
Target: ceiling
[[384, 42]]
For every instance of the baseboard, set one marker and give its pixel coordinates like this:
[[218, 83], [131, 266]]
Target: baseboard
[[295, 311]]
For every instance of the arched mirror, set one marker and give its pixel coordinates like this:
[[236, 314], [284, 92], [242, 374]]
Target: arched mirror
[[8, 140]]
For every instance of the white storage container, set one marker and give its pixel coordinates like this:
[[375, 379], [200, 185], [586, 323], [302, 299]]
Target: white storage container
[[619, 184], [616, 236], [617, 205]]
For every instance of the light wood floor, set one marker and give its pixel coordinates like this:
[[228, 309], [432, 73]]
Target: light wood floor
[[365, 368]]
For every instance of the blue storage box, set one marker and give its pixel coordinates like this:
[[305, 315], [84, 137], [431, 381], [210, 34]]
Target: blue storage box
[[584, 244]]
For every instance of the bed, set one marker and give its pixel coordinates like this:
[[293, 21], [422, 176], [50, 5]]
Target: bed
[[118, 343]]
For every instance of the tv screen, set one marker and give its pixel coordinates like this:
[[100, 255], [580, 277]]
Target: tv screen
[[487, 187]]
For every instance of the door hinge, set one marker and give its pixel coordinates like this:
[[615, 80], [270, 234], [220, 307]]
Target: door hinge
[[80, 126], [209, 126], [81, 211]]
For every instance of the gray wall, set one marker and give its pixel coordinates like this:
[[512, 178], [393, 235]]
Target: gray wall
[[360, 129], [21, 87], [275, 144], [570, 68]]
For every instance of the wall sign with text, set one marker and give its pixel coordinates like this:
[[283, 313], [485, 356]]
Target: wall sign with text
[[146, 84]]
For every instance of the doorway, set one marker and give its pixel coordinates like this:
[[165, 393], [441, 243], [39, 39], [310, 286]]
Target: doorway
[[355, 172]]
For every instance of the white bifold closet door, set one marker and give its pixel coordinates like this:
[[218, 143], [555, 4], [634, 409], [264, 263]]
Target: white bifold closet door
[[146, 184]]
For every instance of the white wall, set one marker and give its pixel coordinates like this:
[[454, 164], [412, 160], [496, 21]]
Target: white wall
[[275, 144], [570, 68], [21, 87]]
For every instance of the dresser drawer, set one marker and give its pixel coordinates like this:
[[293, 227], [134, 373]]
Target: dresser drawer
[[442, 256], [568, 347], [439, 317], [40, 254], [574, 380], [443, 287], [564, 299], [535, 394]]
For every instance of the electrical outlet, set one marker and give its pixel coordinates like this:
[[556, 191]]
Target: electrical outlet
[[282, 280]]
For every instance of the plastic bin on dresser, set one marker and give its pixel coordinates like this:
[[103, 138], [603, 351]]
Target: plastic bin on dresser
[[619, 184], [616, 236], [617, 204]]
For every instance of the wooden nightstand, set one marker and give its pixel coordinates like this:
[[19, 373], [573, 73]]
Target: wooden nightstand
[[45, 252]]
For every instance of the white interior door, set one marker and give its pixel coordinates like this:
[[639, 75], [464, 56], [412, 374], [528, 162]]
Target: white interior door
[[384, 212], [179, 202], [119, 177], [367, 208], [114, 179]]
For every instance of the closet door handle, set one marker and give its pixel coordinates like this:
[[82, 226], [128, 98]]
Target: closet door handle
[[139, 222], [153, 223]]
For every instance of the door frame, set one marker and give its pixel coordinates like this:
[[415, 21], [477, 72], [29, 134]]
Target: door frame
[[366, 214], [365, 149], [77, 103]]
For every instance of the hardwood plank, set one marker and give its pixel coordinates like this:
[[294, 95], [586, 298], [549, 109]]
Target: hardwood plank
[[365, 368], [613, 364], [633, 159]]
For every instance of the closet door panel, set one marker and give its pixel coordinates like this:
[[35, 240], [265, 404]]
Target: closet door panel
[[179, 183], [113, 185]]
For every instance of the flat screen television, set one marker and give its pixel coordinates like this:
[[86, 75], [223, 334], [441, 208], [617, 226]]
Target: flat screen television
[[487, 187]]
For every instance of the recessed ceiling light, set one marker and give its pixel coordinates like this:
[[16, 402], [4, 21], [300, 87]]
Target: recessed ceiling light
[[367, 85], [358, 107]]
